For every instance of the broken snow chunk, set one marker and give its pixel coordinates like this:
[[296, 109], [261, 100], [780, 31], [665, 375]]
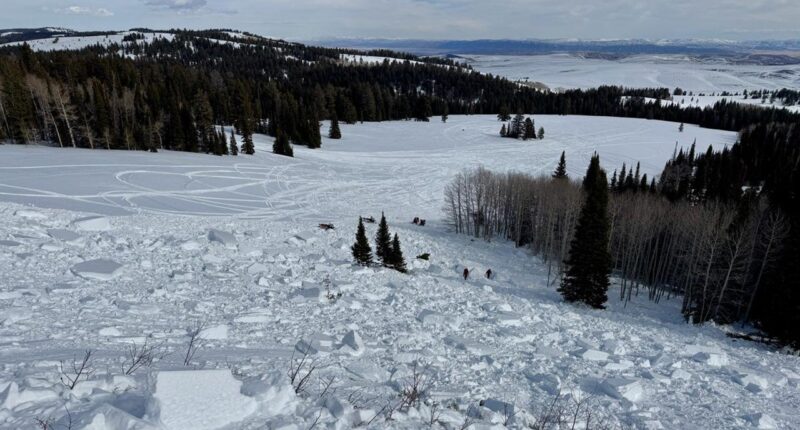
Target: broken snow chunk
[[630, 389], [29, 214], [315, 343], [201, 399], [63, 235], [100, 269], [273, 392], [253, 318], [92, 223], [353, 341], [499, 406], [12, 397], [10, 243], [223, 237], [218, 332], [592, 354], [712, 358], [368, 371], [761, 421], [110, 331], [752, 382], [180, 275], [679, 373], [256, 268], [429, 317], [191, 245], [547, 382]]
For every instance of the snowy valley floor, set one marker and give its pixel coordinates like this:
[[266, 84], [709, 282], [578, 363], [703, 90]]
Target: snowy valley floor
[[232, 245]]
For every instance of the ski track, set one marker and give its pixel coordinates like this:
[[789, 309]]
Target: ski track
[[487, 339]]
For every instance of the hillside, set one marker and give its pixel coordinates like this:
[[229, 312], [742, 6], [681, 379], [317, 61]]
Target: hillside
[[256, 282]]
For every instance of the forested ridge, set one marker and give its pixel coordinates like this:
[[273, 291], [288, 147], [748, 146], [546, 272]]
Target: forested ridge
[[167, 92]]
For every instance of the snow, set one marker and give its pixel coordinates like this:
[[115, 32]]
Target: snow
[[201, 399], [92, 223], [563, 71], [484, 345], [62, 43], [100, 269]]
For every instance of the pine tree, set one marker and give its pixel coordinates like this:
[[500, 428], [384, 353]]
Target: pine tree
[[234, 148], [504, 114], [503, 131], [247, 146], [362, 252], [680, 128], [541, 133], [529, 130], [281, 146], [517, 128], [334, 132], [588, 267], [397, 261], [561, 169], [383, 245], [445, 113]]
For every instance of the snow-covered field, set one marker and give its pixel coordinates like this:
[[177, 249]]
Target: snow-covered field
[[569, 71], [80, 42], [231, 245]]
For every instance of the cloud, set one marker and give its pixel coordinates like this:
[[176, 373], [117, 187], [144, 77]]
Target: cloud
[[178, 5], [83, 10]]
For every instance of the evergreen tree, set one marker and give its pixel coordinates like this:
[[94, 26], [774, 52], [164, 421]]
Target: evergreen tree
[[680, 128], [541, 133], [561, 169], [334, 132], [517, 128], [383, 242], [445, 113], [397, 261], [234, 148], [504, 114], [281, 146], [503, 131], [362, 252], [423, 110], [586, 278], [529, 129], [247, 146]]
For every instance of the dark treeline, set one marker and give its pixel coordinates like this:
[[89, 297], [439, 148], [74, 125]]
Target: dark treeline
[[719, 229], [167, 93]]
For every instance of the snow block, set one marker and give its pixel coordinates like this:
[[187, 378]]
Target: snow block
[[63, 235], [10, 243], [761, 421], [712, 358], [429, 317], [623, 388], [100, 269], [315, 343], [104, 417], [223, 237], [24, 213], [752, 382], [592, 354], [200, 399], [352, 341], [273, 392], [12, 397], [92, 223], [218, 332], [547, 382], [500, 407]]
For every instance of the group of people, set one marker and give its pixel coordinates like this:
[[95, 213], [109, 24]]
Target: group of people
[[488, 273]]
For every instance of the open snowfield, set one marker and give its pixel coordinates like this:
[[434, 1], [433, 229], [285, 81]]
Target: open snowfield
[[569, 71], [231, 245]]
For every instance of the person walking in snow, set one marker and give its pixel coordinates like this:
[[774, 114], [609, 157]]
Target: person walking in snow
[[466, 273], [489, 274]]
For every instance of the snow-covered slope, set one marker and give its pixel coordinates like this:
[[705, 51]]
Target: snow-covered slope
[[257, 285], [572, 71], [79, 42]]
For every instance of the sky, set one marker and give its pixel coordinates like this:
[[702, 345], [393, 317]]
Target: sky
[[426, 19]]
